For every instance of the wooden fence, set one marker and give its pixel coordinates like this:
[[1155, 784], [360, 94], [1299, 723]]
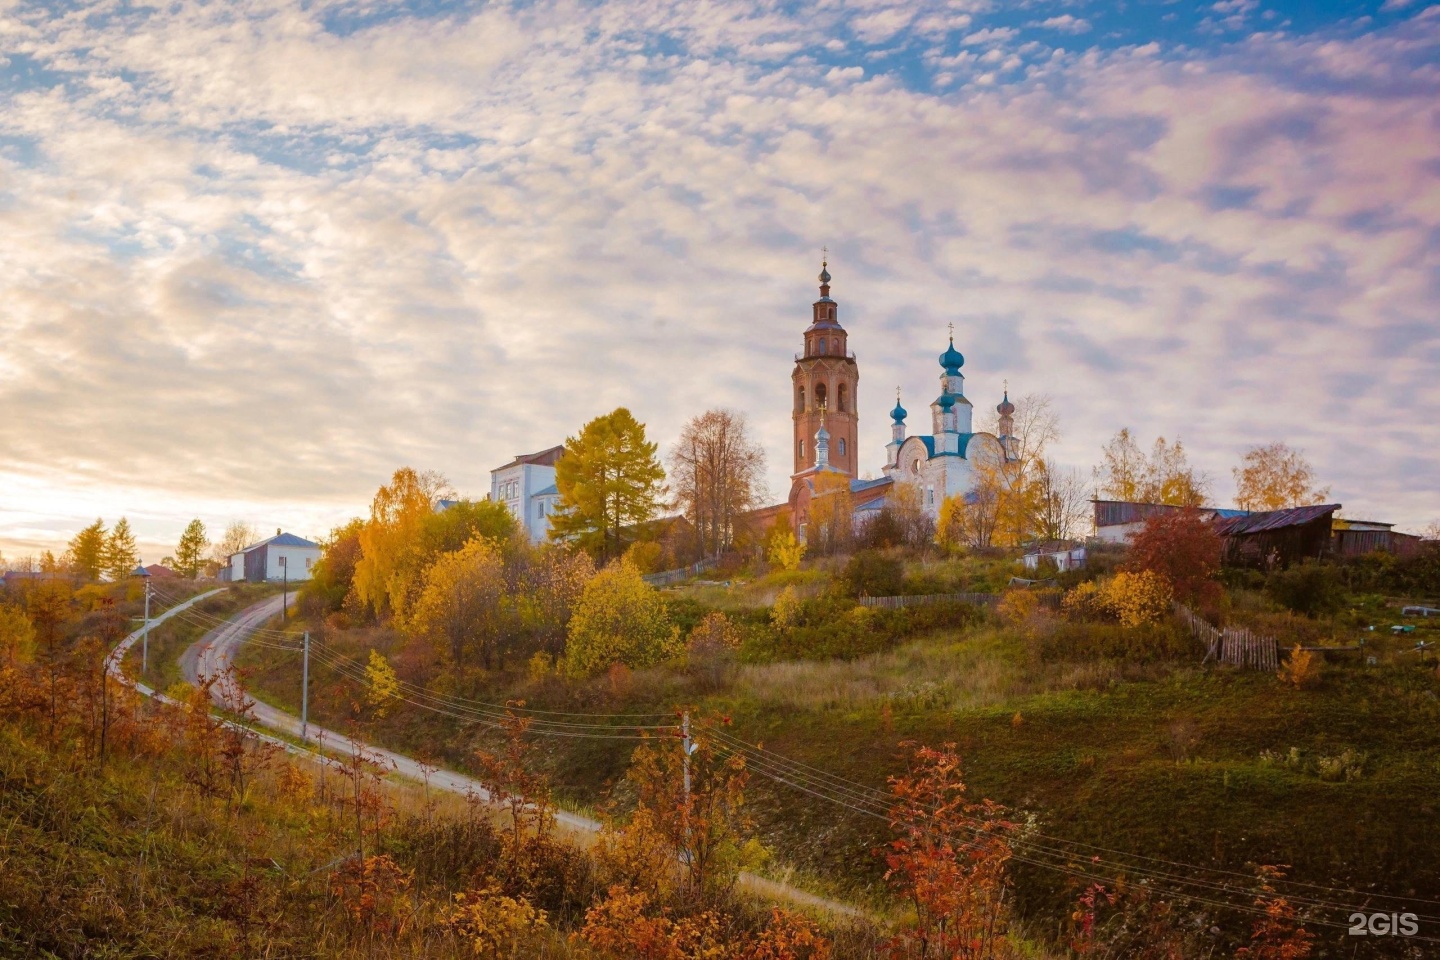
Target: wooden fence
[[667, 577], [920, 600], [1240, 647]]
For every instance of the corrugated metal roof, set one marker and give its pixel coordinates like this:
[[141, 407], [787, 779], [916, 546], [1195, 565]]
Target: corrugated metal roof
[[281, 540], [542, 458], [1274, 519]]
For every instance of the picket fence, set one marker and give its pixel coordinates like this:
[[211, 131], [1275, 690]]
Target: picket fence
[[1239, 647], [920, 600]]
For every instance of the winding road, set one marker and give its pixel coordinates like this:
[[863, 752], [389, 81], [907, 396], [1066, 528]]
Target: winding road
[[213, 654]]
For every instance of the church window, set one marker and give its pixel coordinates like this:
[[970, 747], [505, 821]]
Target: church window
[[824, 346], [840, 396], [800, 399], [801, 448], [819, 394], [842, 446], [932, 496]]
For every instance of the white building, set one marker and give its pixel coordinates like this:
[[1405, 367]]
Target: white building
[[526, 485], [282, 557], [942, 463]]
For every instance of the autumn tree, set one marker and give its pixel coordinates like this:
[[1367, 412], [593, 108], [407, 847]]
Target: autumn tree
[[121, 555], [238, 536], [703, 828], [553, 581], [619, 619], [391, 552], [1274, 477], [382, 686], [1182, 547], [17, 636], [782, 549], [190, 551], [609, 479], [1279, 933], [332, 577], [949, 859], [830, 527], [86, 551], [1061, 502], [1163, 476], [716, 474], [461, 606]]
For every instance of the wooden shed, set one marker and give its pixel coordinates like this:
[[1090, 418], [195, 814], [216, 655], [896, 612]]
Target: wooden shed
[[1277, 538]]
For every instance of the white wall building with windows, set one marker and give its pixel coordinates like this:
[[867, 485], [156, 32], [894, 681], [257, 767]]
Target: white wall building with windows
[[281, 557], [526, 485]]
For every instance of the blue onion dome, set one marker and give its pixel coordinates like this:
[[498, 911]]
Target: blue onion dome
[[952, 360], [899, 413], [1006, 408], [946, 400], [824, 273]]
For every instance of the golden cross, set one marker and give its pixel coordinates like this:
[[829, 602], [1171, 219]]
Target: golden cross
[[952, 330]]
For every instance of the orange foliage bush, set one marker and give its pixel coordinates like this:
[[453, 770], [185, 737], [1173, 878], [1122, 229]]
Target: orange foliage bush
[[1301, 669], [1183, 548]]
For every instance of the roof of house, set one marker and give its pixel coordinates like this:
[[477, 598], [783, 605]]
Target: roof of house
[[1109, 513], [550, 491], [1274, 519], [160, 570], [281, 540], [543, 458]]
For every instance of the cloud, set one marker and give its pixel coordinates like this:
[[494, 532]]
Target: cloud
[[257, 258], [1065, 23]]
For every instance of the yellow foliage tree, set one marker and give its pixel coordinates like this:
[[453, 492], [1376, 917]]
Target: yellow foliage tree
[[391, 549], [462, 607], [1138, 598], [383, 684], [786, 609], [1274, 477], [619, 619], [831, 525], [17, 636], [785, 551], [1301, 669]]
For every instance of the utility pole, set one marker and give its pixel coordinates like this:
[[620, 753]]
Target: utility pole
[[145, 641], [305, 691], [687, 747], [285, 588]]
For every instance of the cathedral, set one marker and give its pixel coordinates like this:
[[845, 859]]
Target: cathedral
[[939, 464]]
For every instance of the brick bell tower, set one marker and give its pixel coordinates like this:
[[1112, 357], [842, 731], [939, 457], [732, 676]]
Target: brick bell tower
[[825, 375]]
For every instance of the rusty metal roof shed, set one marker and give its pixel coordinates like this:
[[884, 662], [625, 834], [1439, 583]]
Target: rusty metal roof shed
[[1273, 519]]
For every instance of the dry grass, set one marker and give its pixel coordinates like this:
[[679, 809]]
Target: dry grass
[[983, 669]]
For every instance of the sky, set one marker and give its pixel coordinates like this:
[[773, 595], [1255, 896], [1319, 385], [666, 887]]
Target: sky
[[257, 255]]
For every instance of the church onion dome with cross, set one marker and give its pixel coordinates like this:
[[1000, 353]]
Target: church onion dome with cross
[[940, 464]]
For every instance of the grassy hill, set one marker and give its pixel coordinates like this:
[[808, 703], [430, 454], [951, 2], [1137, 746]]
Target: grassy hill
[[1142, 752]]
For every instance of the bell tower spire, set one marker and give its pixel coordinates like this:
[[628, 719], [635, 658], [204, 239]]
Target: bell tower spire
[[825, 378]]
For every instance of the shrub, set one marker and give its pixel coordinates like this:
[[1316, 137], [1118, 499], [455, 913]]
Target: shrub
[[783, 550], [1085, 603], [1016, 607], [619, 619], [1136, 599], [830, 627], [1301, 669], [1311, 588], [871, 573]]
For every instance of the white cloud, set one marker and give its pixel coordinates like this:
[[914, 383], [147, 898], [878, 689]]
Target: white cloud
[[1065, 23], [253, 266]]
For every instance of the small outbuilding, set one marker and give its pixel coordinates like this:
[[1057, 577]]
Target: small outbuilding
[[281, 557], [1277, 538]]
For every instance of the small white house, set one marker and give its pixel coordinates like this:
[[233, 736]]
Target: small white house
[[282, 557], [526, 485]]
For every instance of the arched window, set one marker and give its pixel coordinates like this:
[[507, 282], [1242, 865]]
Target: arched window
[[819, 394], [842, 441], [801, 449], [800, 398], [841, 404], [824, 346]]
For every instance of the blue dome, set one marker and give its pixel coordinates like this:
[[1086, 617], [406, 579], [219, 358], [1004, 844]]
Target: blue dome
[[824, 273], [946, 400], [952, 360], [899, 413]]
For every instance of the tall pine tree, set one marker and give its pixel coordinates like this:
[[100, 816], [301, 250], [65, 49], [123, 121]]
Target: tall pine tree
[[86, 552], [190, 551], [121, 555], [609, 479]]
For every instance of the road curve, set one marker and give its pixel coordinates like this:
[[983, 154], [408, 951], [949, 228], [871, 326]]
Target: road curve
[[213, 654]]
